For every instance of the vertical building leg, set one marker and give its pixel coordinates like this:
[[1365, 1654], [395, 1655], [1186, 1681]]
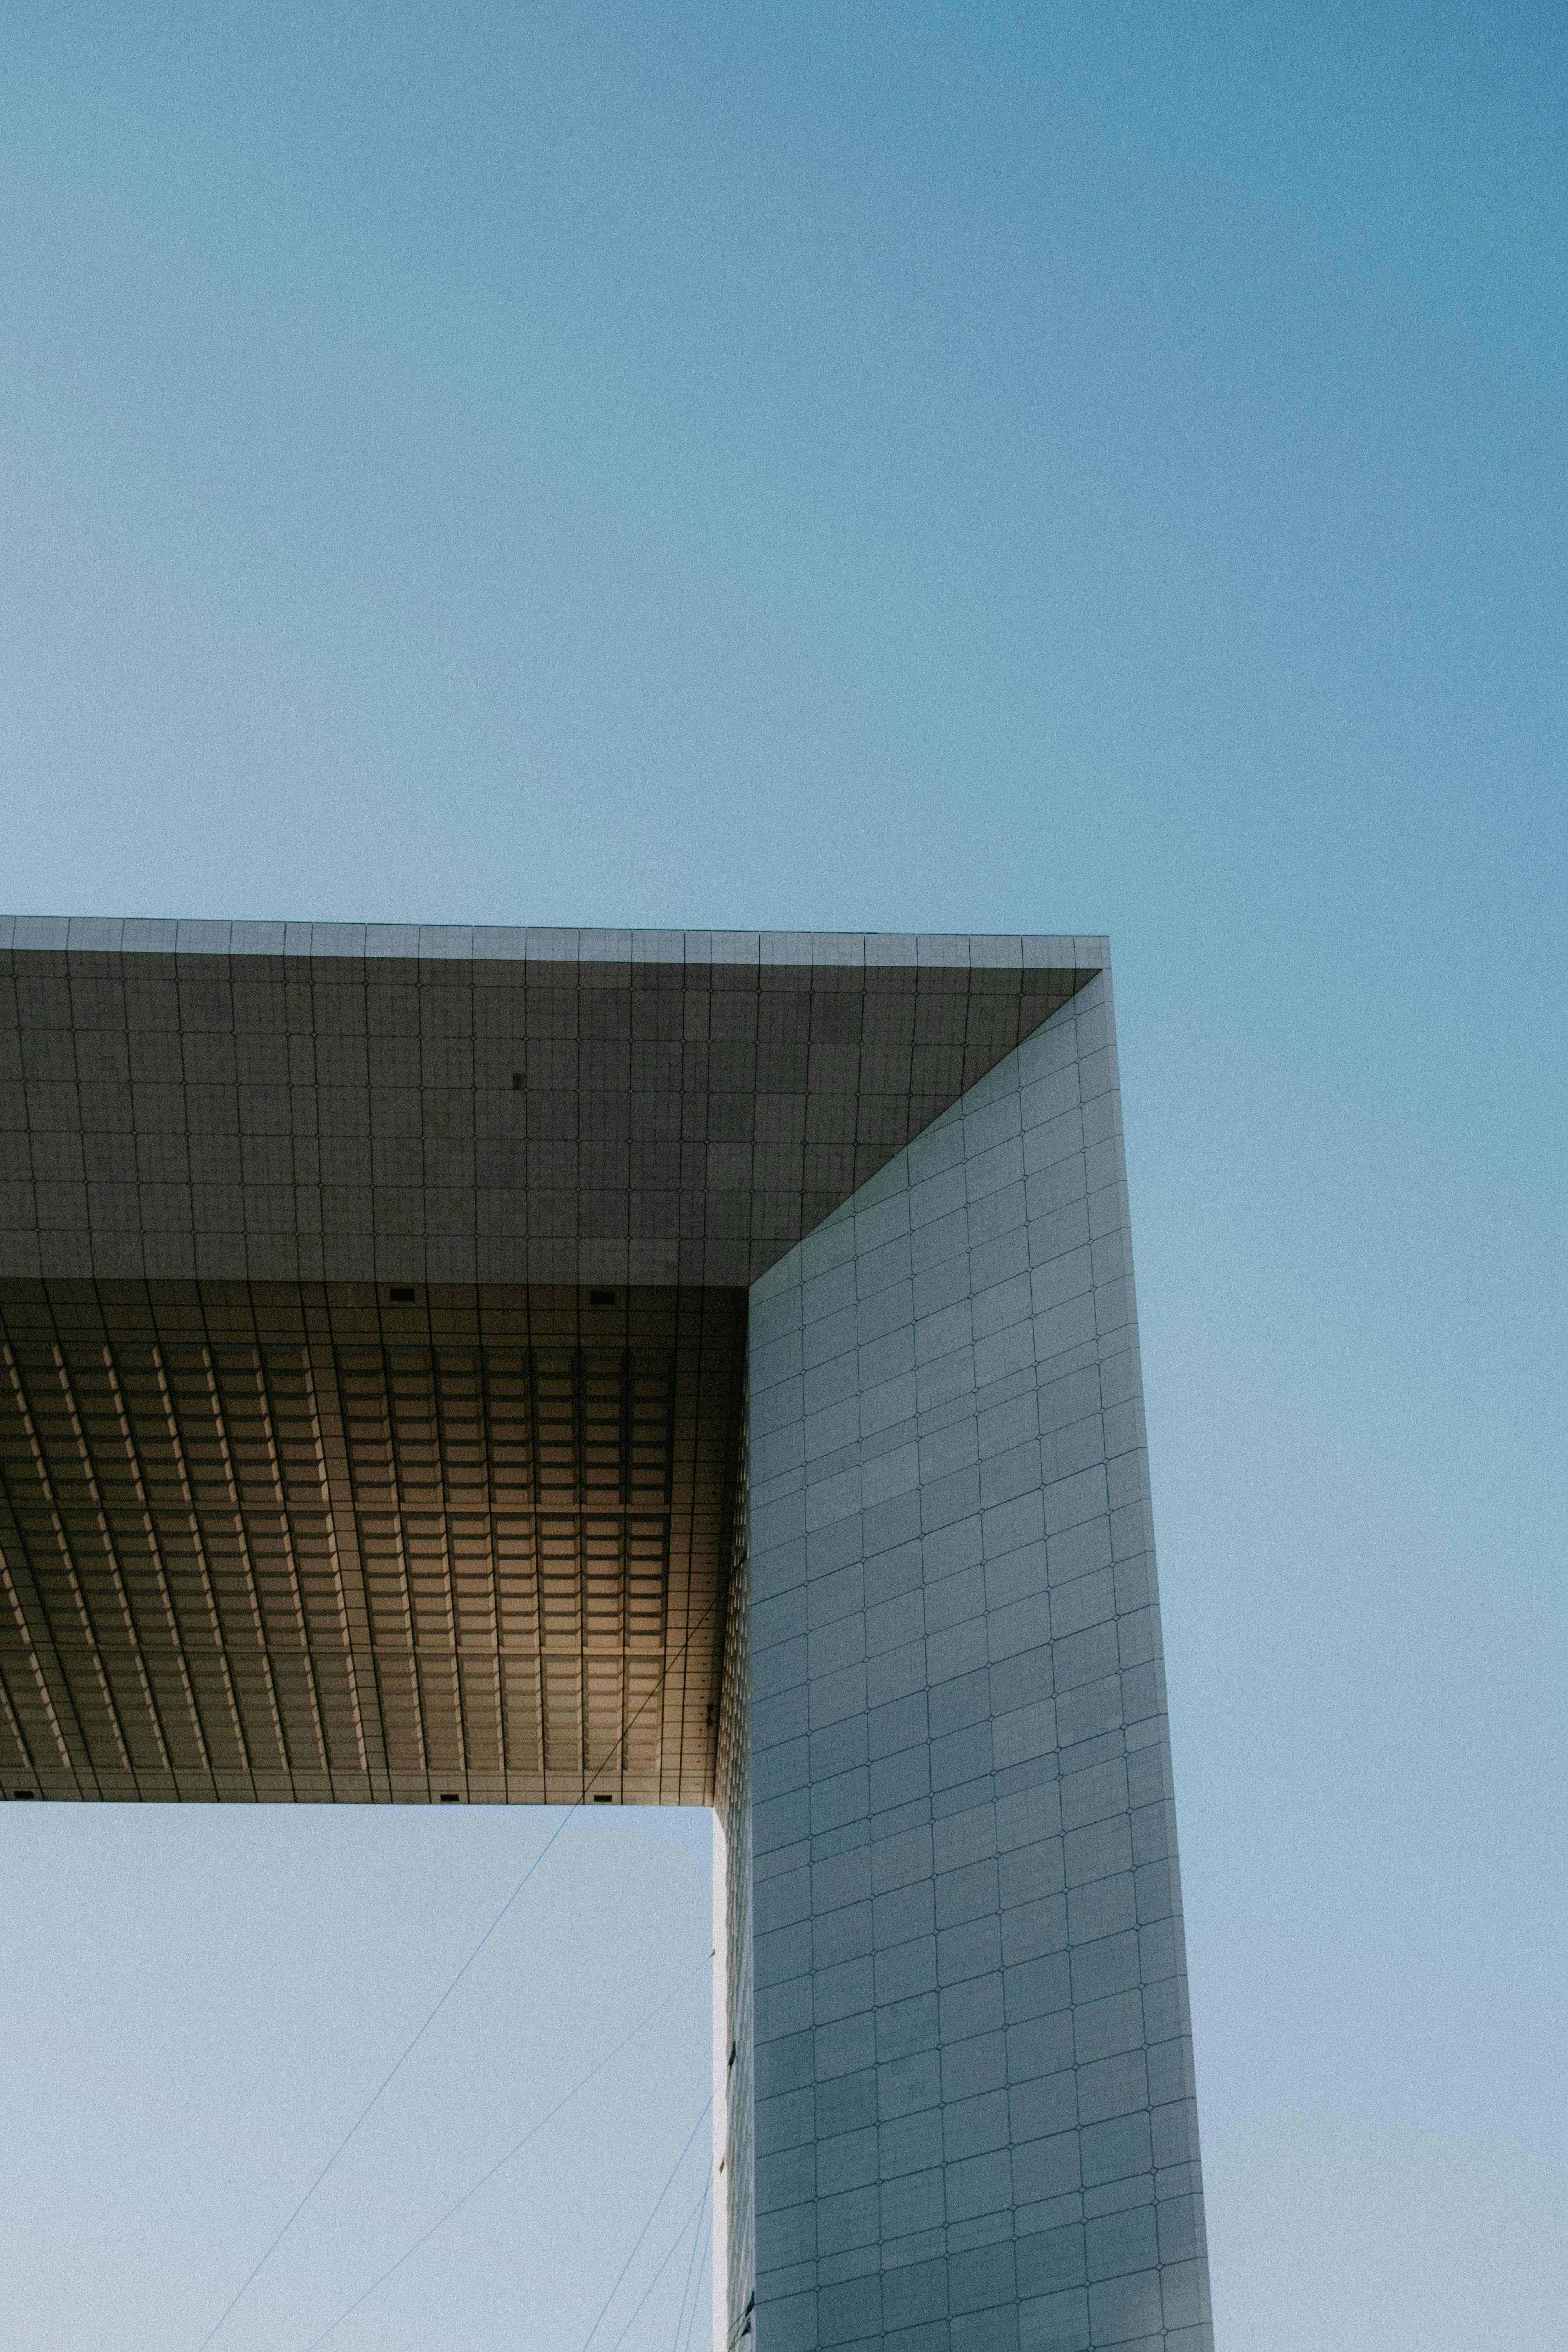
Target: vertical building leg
[[973, 2101]]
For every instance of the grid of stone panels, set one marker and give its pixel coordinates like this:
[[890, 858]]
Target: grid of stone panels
[[975, 2123], [973, 2115], [735, 2248], [293, 1543], [233, 1102]]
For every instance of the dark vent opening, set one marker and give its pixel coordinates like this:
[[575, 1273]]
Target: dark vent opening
[[448, 1796], [401, 1298], [23, 1796], [601, 1298], [517, 1082], [604, 1801]]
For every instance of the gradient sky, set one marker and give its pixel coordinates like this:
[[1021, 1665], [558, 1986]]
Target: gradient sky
[[941, 467]]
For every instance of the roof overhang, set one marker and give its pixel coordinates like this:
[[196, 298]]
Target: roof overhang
[[373, 1320], [335, 1102]]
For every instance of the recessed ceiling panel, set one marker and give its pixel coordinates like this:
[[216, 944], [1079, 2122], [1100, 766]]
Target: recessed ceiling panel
[[297, 1545]]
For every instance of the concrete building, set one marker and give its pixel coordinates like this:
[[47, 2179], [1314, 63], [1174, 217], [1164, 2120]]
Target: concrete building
[[542, 1367]]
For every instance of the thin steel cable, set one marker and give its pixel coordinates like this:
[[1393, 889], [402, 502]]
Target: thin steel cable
[[575, 1807], [707, 2240], [644, 2231], [516, 2149], [693, 2216], [384, 2085], [691, 2272]]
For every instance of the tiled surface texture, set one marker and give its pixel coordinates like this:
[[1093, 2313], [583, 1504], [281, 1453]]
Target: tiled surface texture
[[285, 1543], [338, 1103], [974, 2116], [734, 2094], [380, 1419]]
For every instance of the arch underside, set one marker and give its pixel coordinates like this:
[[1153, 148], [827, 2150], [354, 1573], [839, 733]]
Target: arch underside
[[293, 1543]]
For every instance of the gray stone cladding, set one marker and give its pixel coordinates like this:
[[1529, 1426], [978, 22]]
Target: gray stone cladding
[[734, 2092], [975, 2128], [243, 1102]]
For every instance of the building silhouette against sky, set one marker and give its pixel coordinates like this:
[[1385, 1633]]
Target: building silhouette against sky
[[450, 1366]]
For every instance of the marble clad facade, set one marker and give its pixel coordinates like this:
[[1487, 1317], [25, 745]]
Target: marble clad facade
[[674, 1367]]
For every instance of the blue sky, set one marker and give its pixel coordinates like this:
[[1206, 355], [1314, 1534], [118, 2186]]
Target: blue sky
[[955, 467]]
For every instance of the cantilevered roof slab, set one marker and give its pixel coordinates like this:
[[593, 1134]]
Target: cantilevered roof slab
[[373, 1330], [328, 1102]]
